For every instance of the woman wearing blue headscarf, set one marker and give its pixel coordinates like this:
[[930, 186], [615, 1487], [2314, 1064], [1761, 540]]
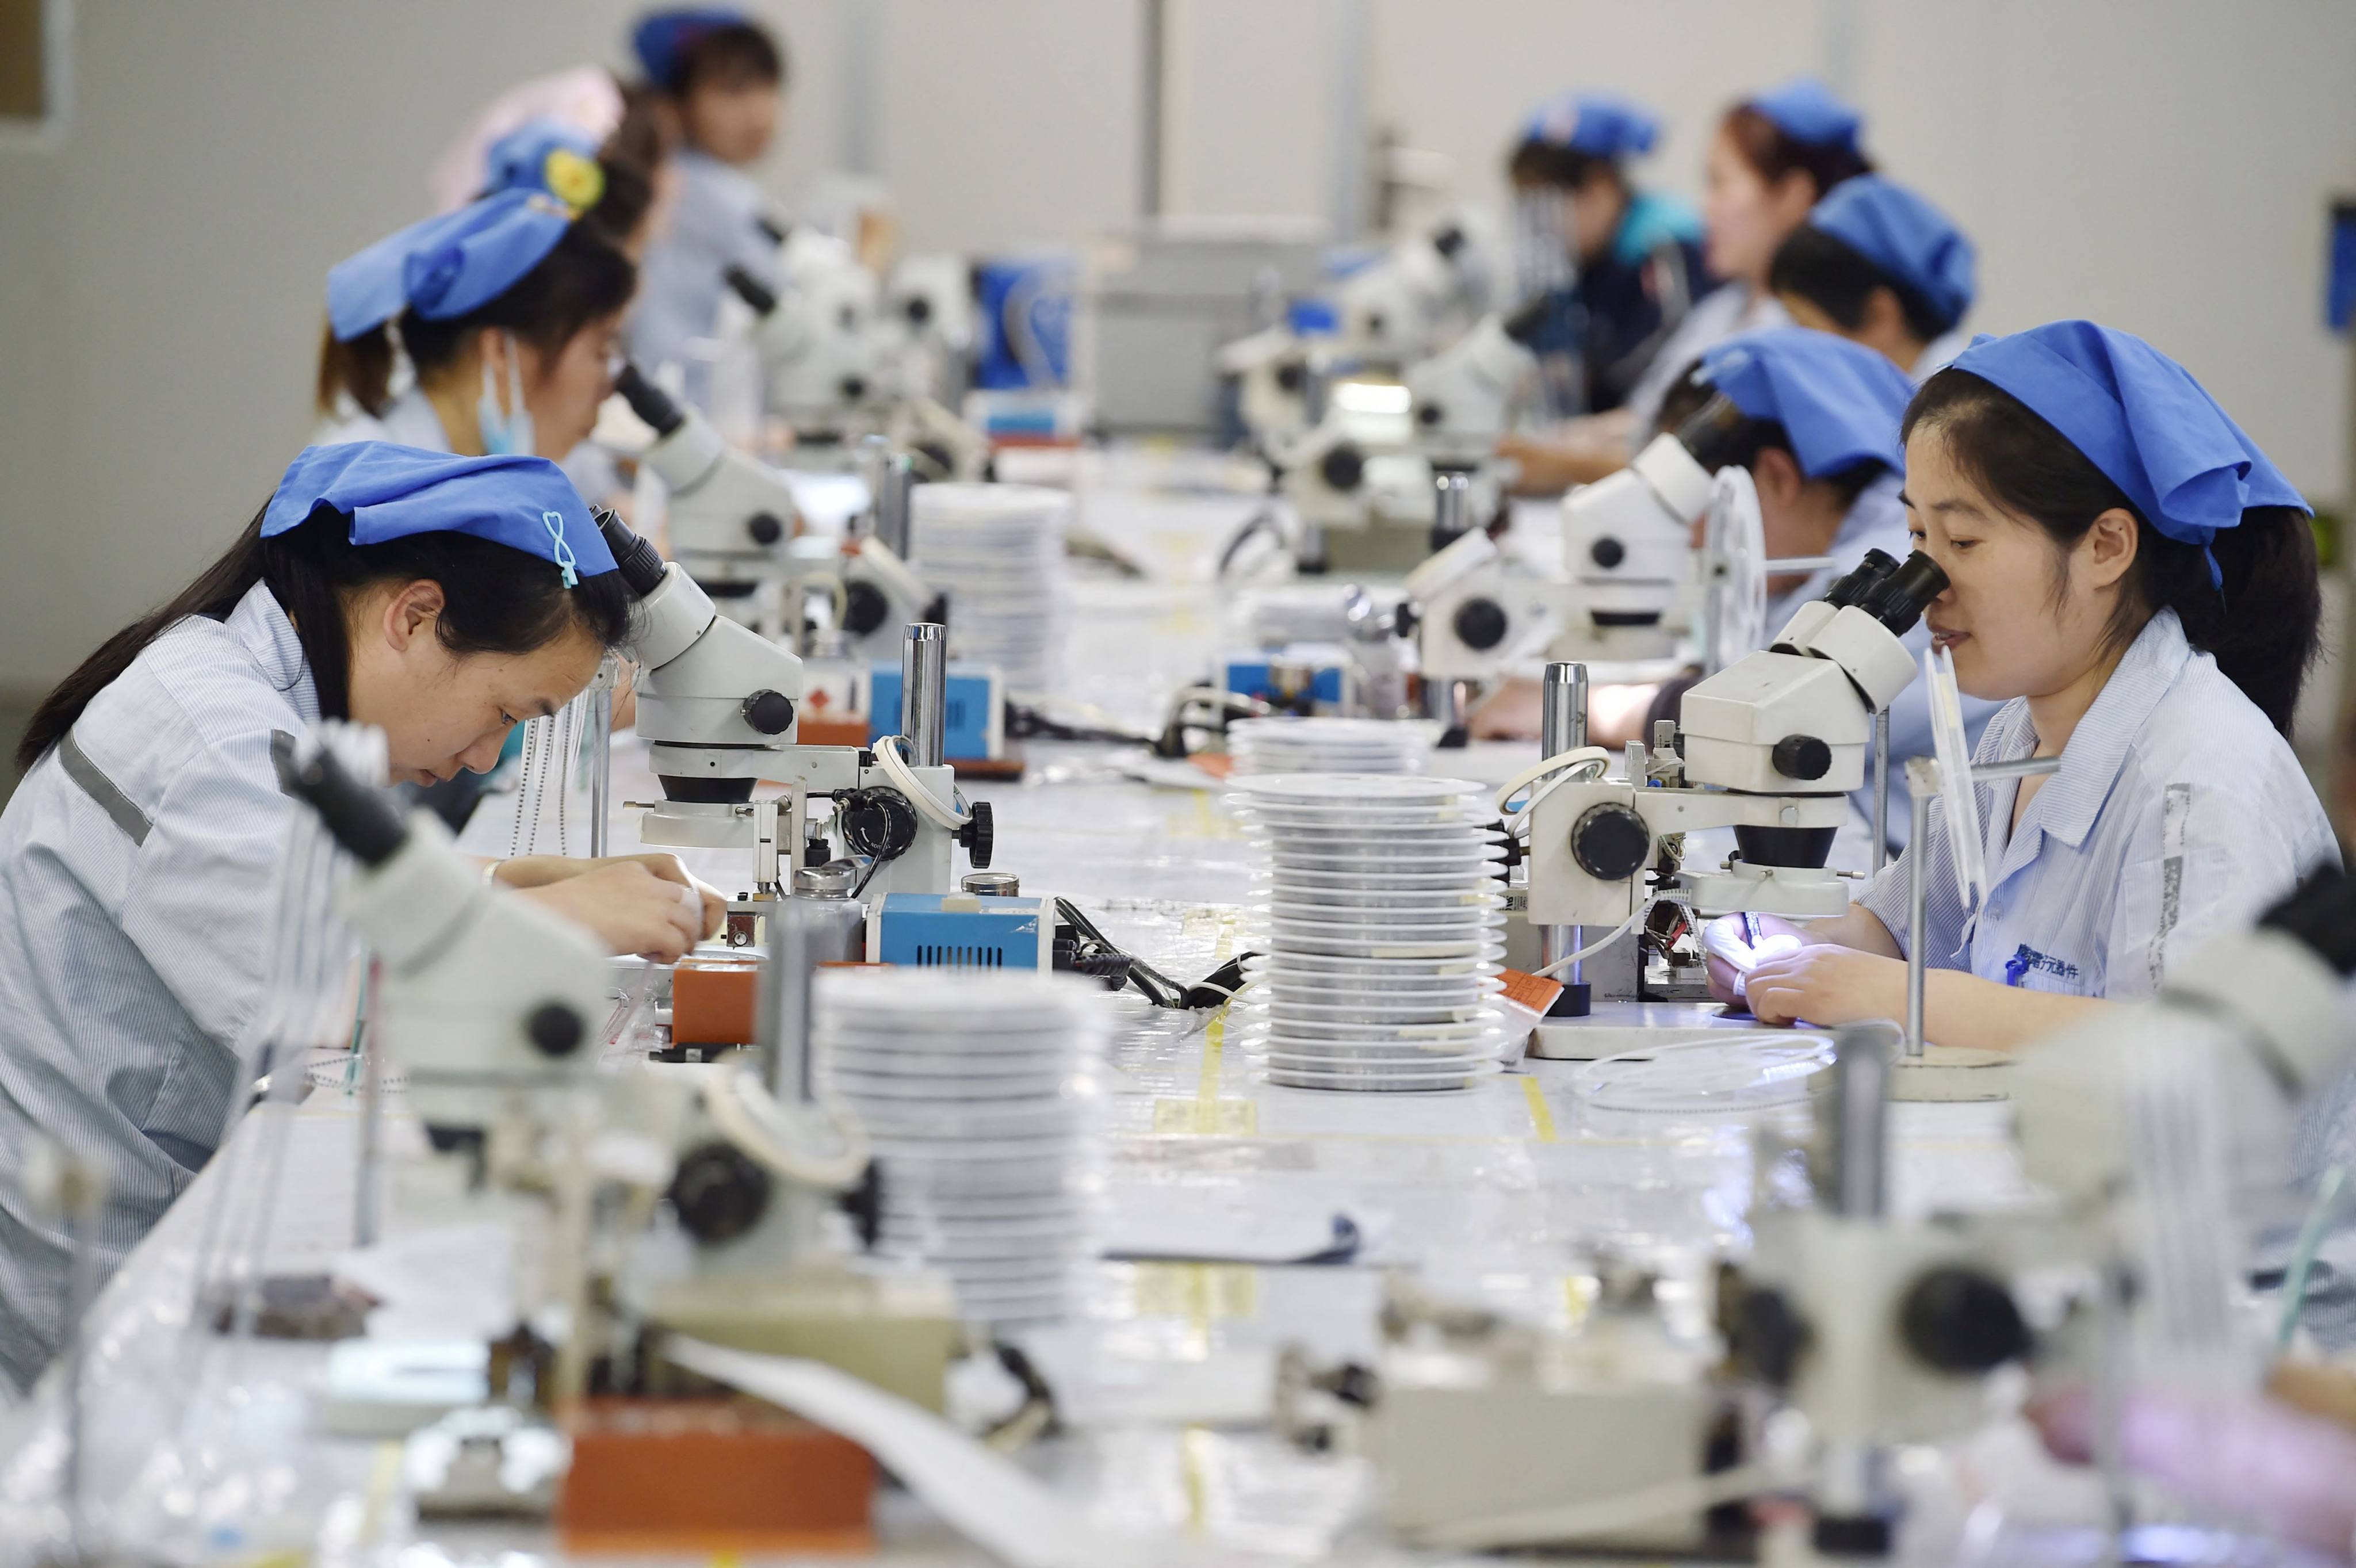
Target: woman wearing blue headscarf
[[2137, 582], [1878, 264]]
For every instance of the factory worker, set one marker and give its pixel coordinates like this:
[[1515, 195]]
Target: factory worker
[[441, 599], [1774, 157], [1880, 266], [1611, 268], [510, 313], [719, 78], [2137, 583]]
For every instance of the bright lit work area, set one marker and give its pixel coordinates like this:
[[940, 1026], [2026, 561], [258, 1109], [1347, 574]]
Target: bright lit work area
[[1181, 783]]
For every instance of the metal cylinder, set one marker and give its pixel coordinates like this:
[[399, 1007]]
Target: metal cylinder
[[784, 1025], [1562, 721], [992, 884], [1880, 790], [1918, 900], [1856, 1187], [895, 475], [837, 922], [924, 691], [1452, 505]]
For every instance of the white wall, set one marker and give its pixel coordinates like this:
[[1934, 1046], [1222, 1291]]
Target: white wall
[[2160, 164]]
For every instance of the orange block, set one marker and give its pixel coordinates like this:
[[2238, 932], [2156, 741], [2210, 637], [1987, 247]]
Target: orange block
[[700, 1475], [712, 1000], [819, 729]]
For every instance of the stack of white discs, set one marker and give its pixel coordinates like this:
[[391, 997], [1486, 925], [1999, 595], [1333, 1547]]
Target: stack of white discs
[[1322, 744], [1379, 932], [998, 552], [982, 1098]]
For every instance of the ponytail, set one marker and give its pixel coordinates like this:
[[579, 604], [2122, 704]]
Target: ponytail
[[495, 600], [360, 368], [2262, 623]]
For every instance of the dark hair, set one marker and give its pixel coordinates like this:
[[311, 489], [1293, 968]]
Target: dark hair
[[1539, 162], [584, 279], [1774, 154], [731, 56], [2262, 626], [1738, 445], [1836, 278], [640, 142], [496, 599]]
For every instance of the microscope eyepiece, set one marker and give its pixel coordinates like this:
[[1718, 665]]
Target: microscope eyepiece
[[1898, 600], [750, 290], [1851, 589], [362, 819], [649, 402], [641, 564]]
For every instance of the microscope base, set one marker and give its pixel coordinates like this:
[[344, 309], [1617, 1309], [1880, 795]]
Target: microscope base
[[898, 1338], [1612, 1027], [1951, 1074]]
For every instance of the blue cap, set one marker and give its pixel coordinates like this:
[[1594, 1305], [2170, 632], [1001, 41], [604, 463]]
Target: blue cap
[[550, 155], [446, 266], [2139, 418], [1600, 125], [662, 37], [1910, 239], [1805, 109], [392, 492], [1839, 403]]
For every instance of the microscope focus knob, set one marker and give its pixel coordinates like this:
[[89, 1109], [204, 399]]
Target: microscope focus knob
[[769, 712], [1343, 468], [1429, 416], [1607, 552], [1801, 757], [863, 608], [1611, 842], [1292, 376], [718, 1192], [979, 835], [918, 309], [764, 528], [555, 1029], [1480, 624], [1960, 1321], [853, 388]]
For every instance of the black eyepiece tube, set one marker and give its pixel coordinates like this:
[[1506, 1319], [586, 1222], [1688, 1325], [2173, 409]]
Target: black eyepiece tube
[[1717, 433], [641, 564], [750, 290], [362, 819], [1898, 600], [1868, 575], [649, 402]]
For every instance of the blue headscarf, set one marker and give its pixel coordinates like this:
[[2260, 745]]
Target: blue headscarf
[[1839, 403], [662, 37], [392, 492], [1905, 236], [1598, 124], [446, 266], [1805, 109], [550, 155], [2141, 418]]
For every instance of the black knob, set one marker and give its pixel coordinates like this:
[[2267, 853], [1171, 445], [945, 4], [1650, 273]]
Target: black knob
[[1767, 1336], [1611, 842], [864, 1204], [1801, 757], [1958, 1321], [853, 388], [1407, 619], [1607, 552], [918, 309], [1430, 415], [1480, 624], [770, 713], [877, 823], [764, 528], [1376, 324], [979, 835], [1292, 376], [863, 608], [555, 1029], [1342, 468], [718, 1192]]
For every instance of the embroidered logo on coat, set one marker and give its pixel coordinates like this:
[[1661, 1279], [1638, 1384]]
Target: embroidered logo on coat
[[2026, 958]]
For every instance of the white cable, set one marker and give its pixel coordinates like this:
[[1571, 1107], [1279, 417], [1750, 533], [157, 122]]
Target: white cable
[[1586, 762], [1591, 949], [888, 749], [1604, 1516], [1214, 694], [752, 1119]]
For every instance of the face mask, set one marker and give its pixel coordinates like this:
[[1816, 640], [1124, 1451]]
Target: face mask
[[504, 434]]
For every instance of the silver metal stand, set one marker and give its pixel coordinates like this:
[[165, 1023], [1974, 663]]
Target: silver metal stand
[[923, 691], [601, 756], [1562, 726], [1922, 784], [1880, 790]]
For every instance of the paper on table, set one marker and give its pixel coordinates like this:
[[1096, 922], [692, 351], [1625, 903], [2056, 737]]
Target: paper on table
[[977, 1491], [449, 1282]]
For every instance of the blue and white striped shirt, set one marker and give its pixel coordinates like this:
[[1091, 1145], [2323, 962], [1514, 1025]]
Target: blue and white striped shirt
[[135, 863], [2178, 813]]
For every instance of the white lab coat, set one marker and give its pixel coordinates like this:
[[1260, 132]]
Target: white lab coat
[[714, 223], [407, 420]]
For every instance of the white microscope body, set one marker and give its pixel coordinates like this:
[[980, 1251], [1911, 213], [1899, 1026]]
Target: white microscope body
[[1419, 295], [1770, 746], [1477, 609]]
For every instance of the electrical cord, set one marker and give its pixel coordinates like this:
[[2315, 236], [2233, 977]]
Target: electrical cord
[[1098, 949], [1591, 949], [890, 753], [1582, 763], [752, 1119]]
